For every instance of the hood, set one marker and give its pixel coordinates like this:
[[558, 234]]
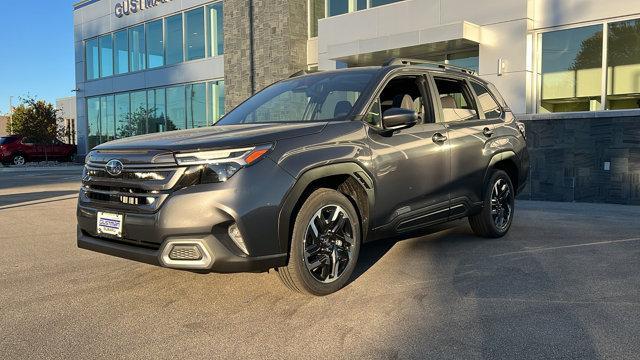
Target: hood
[[224, 136]]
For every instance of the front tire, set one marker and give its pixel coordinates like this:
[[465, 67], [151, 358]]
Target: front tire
[[324, 246], [18, 160], [496, 216]]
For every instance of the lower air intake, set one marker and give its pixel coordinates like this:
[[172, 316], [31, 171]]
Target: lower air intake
[[185, 253]]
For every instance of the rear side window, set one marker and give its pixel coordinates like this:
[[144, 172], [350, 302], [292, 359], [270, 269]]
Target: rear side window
[[455, 99], [488, 103], [7, 140]]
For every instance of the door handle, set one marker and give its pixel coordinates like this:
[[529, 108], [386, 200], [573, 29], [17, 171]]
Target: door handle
[[438, 138], [487, 132]]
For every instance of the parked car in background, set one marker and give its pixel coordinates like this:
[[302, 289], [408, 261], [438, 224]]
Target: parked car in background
[[17, 150]]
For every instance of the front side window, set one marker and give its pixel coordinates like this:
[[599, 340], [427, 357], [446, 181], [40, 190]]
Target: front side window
[[194, 27], [571, 69], [318, 97], [455, 99], [488, 104], [374, 115]]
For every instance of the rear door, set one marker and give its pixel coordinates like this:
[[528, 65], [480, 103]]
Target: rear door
[[470, 134]]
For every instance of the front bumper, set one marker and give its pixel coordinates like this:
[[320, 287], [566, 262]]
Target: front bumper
[[223, 260], [199, 216]]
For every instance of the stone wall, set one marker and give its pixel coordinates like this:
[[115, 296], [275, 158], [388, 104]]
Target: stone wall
[[590, 157], [279, 44]]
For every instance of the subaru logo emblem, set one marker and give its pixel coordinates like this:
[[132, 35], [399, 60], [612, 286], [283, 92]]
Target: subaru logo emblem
[[114, 167]]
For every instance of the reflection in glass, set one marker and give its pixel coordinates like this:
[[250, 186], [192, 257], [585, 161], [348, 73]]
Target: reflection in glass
[[137, 119], [155, 48], [623, 65], [382, 2], [173, 38], [122, 114], [106, 55], [92, 59], [215, 29], [194, 27], [571, 69], [338, 7], [466, 59], [121, 58], [93, 122], [137, 48], [156, 106], [216, 101], [196, 105], [108, 121], [176, 117]]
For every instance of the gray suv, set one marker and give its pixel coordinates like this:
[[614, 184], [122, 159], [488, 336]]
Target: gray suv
[[303, 173]]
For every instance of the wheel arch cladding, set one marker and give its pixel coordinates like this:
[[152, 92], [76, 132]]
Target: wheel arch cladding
[[508, 162], [347, 178]]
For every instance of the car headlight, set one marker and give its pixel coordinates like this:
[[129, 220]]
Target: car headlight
[[215, 166]]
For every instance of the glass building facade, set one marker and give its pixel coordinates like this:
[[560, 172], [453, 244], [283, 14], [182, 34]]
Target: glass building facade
[[186, 36], [590, 68], [146, 111], [189, 35]]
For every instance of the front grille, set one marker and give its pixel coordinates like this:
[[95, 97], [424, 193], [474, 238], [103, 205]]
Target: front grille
[[138, 188]]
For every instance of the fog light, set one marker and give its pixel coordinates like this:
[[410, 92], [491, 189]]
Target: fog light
[[236, 236], [185, 252]]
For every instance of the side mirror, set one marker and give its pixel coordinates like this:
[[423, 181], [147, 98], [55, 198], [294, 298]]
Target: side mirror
[[399, 118]]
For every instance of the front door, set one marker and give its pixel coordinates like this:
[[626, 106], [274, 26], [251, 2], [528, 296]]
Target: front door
[[411, 165]]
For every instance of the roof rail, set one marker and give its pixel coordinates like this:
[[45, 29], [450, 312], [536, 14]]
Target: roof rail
[[404, 61]]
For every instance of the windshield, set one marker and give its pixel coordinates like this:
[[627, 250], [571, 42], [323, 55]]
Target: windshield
[[6, 140], [320, 97]]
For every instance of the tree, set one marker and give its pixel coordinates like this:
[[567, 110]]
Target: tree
[[36, 120]]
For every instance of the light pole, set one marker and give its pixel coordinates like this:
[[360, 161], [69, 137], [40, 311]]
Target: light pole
[[10, 115]]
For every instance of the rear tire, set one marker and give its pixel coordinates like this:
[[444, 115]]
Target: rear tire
[[496, 216], [325, 244]]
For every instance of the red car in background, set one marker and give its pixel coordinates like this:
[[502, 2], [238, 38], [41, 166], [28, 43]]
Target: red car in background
[[17, 150]]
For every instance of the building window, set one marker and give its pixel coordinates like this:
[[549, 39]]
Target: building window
[[121, 56], [173, 39], [196, 105], [623, 65], [92, 59], [571, 69], [466, 59], [176, 108], [137, 119], [155, 44], [339, 7], [122, 115], [375, 3], [216, 101], [154, 110], [316, 12], [137, 52], [215, 29], [194, 27], [106, 55], [93, 122]]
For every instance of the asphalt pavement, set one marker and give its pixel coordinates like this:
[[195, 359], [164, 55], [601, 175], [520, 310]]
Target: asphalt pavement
[[564, 283]]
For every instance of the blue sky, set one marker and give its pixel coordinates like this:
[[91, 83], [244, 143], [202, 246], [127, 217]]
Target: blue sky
[[36, 50]]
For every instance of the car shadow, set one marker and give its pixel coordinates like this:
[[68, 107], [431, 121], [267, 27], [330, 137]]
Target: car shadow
[[371, 253]]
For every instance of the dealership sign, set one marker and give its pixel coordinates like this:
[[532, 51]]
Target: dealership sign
[[128, 7]]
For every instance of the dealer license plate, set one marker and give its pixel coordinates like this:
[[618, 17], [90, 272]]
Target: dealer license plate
[[110, 224]]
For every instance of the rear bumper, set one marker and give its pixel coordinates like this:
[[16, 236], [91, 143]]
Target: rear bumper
[[222, 259]]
